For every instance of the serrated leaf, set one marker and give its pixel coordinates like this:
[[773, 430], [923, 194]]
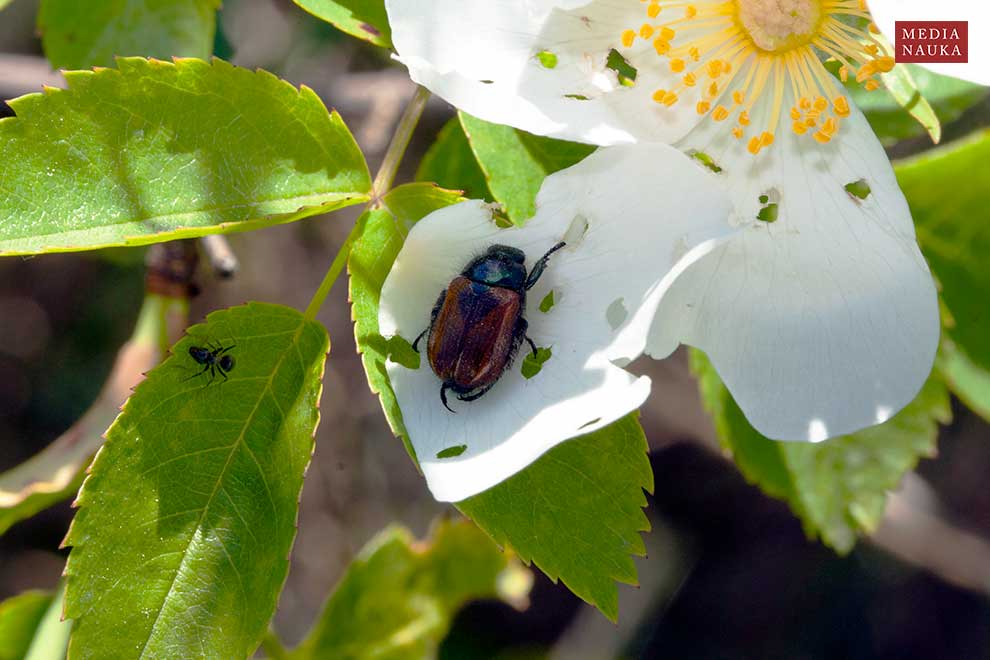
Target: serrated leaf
[[946, 190], [515, 162], [364, 19], [78, 35], [838, 488], [450, 163], [57, 472], [372, 255], [577, 512], [20, 617], [399, 596], [155, 151], [181, 542]]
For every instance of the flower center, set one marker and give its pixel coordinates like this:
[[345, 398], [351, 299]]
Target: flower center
[[779, 25], [760, 61]]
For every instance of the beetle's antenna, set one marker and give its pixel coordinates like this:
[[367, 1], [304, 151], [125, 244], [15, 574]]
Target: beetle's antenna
[[541, 265]]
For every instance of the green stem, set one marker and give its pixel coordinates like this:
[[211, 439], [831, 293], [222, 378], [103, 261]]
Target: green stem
[[400, 140], [383, 183], [272, 645]]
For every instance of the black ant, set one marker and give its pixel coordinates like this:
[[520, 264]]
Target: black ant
[[213, 359]]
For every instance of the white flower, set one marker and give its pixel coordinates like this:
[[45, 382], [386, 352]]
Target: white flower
[[976, 14], [820, 315], [606, 284]]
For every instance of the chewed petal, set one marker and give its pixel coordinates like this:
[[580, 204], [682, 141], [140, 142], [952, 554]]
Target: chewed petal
[[975, 14], [622, 253], [539, 66], [825, 320]]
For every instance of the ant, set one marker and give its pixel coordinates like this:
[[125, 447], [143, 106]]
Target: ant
[[213, 359]]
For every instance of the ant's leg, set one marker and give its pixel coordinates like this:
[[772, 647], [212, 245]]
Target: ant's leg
[[223, 350], [224, 374], [198, 373], [415, 344], [443, 397], [531, 345], [541, 265]]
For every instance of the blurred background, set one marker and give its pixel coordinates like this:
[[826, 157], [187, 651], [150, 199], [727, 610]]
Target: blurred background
[[730, 573]]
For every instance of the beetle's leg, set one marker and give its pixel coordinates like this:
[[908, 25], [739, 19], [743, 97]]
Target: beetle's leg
[[477, 395], [416, 343], [541, 265], [443, 397], [531, 345]]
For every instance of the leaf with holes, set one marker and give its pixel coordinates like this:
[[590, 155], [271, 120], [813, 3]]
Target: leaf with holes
[[181, 542], [450, 163], [946, 189], [399, 596], [155, 151], [364, 19], [78, 35], [515, 162], [577, 512], [382, 234], [837, 488]]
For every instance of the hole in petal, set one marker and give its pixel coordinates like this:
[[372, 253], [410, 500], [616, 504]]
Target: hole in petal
[[705, 160], [858, 189], [486, 82], [770, 201], [591, 423], [616, 313], [577, 97], [547, 58], [451, 452], [547, 303], [532, 364], [576, 231], [499, 216], [625, 71]]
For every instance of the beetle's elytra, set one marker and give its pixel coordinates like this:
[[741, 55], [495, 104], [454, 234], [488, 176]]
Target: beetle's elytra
[[477, 323]]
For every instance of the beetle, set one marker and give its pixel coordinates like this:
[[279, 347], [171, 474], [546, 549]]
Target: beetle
[[214, 359], [477, 324]]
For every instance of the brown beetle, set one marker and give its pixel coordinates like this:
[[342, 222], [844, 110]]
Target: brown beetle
[[477, 323]]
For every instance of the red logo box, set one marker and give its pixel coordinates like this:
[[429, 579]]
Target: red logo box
[[931, 41]]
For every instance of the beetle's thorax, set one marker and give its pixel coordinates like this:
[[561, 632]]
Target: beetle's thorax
[[496, 270]]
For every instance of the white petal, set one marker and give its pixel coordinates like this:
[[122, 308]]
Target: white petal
[[649, 212], [825, 321], [977, 14], [482, 57]]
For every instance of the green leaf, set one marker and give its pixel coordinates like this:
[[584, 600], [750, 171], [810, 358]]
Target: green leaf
[[838, 487], [156, 151], [398, 597], [52, 634], [946, 189], [4, 3], [577, 511], [20, 617], [450, 163], [383, 232], [78, 35], [515, 162], [181, 544], [364, 19], [57, 472], [915, 100], [966, 379]]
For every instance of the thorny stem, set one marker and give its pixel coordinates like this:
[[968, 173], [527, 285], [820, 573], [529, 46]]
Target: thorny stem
[[382, 184]]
